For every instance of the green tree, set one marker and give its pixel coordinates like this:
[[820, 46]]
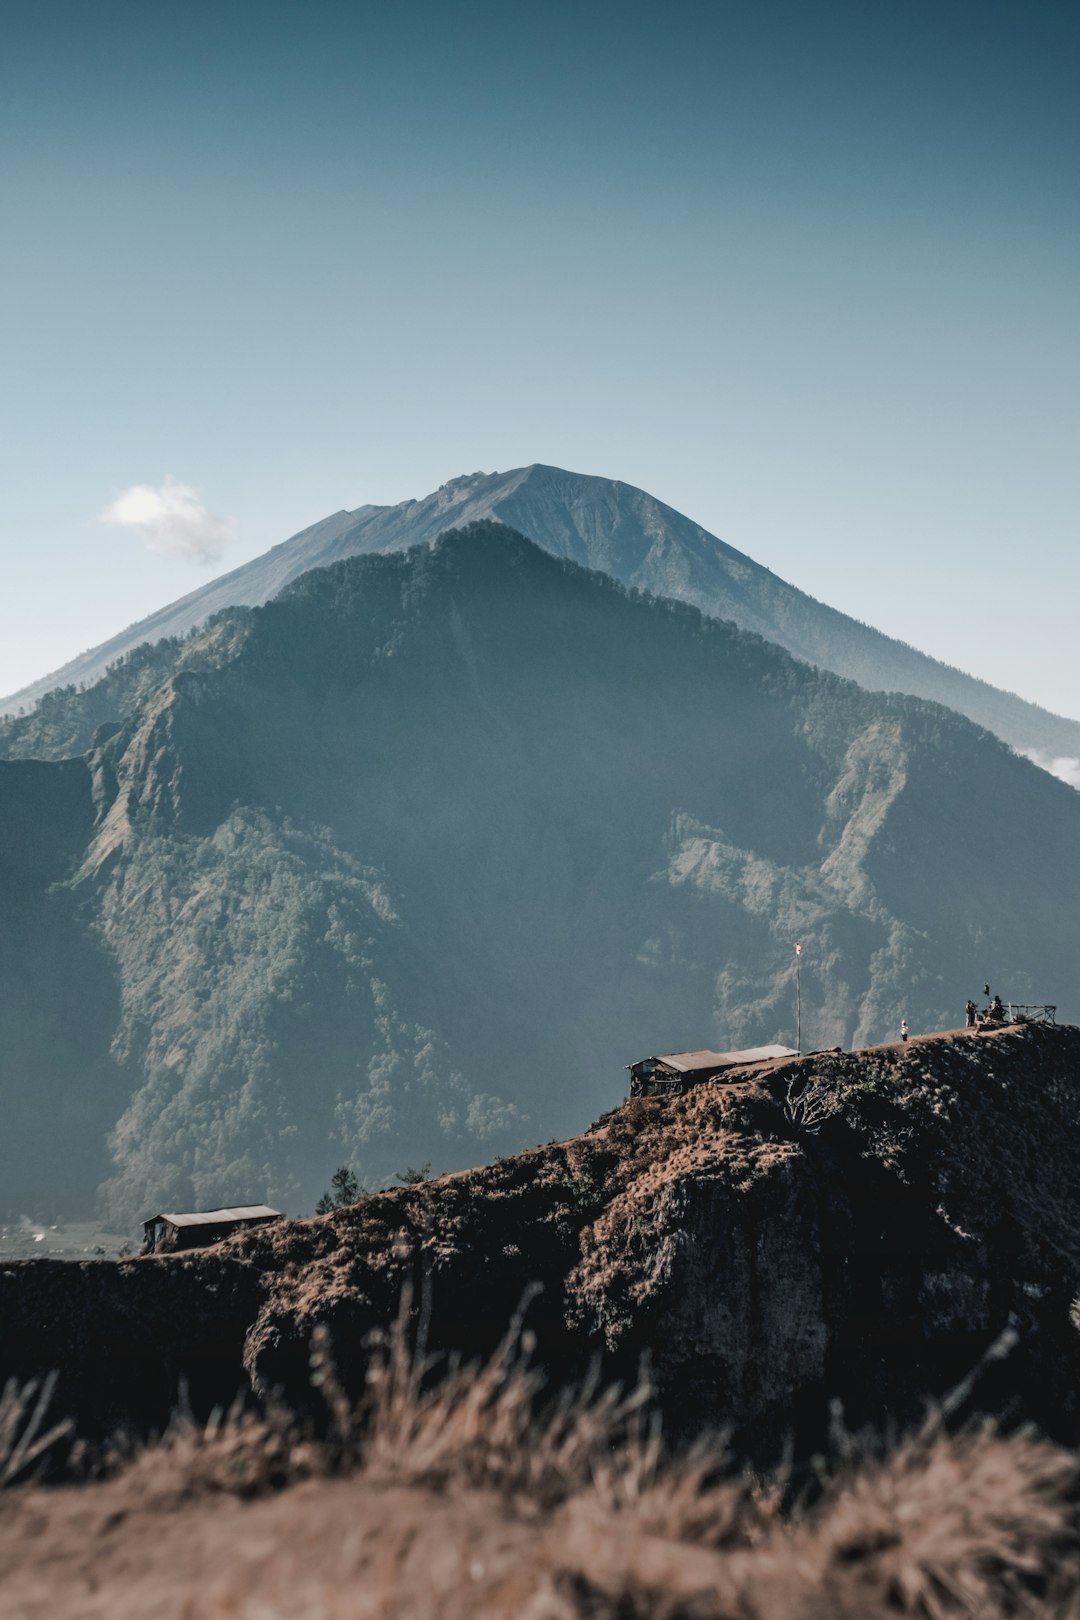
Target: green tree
[[344, 1189], [410, 1177]]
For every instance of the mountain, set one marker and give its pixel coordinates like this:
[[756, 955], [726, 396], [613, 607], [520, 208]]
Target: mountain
[[407, 863], [623, 532]]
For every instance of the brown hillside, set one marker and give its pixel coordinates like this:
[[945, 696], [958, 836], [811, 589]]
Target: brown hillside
[[858, 1225]]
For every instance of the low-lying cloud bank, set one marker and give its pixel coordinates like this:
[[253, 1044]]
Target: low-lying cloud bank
[[1063, 766], [173, 520]]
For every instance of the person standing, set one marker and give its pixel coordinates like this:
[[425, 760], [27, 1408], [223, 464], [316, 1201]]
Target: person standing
[[969, 1009], [903, 1029]]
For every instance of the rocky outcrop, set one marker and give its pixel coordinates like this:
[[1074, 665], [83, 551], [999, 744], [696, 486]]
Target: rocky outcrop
[[862, 1226]]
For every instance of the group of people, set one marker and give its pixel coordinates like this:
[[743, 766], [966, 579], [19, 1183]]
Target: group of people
[[994, 1013]]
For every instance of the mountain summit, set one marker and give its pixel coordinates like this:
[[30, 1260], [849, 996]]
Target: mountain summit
[[622, 531]]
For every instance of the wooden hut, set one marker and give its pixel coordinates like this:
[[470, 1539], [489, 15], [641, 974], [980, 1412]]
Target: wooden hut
[[655, 1076], [169, 1231]]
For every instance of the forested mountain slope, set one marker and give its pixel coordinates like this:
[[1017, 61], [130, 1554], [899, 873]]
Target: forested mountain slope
[[594, 521], [410, 861]]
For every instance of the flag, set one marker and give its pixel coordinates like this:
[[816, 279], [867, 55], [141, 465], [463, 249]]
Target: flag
[[798, 950]]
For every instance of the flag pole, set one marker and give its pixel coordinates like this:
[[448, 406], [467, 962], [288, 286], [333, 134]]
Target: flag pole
[[798, 999]]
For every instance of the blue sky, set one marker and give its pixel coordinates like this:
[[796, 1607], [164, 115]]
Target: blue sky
[[808, 272]]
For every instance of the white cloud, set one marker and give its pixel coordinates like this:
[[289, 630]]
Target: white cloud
[[1063, 766], [173, 520]]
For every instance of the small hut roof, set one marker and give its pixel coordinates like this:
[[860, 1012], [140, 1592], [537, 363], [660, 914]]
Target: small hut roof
[[687, 1062], [217, 1217]]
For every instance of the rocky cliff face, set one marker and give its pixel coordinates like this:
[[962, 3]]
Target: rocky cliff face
[[861, 1226]]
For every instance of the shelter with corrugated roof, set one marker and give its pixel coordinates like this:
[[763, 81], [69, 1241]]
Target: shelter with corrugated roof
[[172, 1230], [674, 1071]]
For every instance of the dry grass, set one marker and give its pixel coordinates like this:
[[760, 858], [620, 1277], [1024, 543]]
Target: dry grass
[[971, 1524], [238, 1452], [978, 1525], [484, 1425], [24, 1438], [472, 1497]]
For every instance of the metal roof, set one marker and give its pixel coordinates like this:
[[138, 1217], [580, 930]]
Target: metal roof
[[217, 1217], [686, 1062]]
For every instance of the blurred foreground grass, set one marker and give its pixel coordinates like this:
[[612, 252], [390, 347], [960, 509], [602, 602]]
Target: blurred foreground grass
[[458, 1491]]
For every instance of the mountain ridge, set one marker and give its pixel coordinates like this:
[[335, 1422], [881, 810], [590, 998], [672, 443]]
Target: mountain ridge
[[619, 529]]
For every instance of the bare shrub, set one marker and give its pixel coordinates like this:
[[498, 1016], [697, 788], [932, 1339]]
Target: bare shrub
[[807, 1109]]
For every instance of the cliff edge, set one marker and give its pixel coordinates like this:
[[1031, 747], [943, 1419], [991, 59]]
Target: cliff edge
[[856, 1225]]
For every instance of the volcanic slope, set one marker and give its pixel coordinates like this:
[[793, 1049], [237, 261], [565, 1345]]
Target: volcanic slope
[[861, 1225], [446, 838], [875, 1228], [598, 522]]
